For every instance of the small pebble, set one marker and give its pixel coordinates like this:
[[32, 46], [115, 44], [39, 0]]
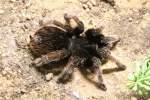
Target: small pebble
[[23, 91], [49, 76], [1, 11], [90, 6], [130, 19], [4, 72], [56, 87], [20, 91], [37, 89], [84, 1], [76, 94], [85, 6], [93, 2], [133, 98]]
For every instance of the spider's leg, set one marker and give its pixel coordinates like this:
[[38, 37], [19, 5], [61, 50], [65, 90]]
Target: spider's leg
[[67, 72], [80, 26], [69, 17], [76, 19], [50, 58], [73, 24], [70, 23], [59, 24], [118, 63], [98, 71], [104, 54], [111, 41]]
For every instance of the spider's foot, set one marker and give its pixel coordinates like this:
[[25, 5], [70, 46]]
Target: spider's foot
[[60, 79], [102, 86], [37, 62], [63, 79], [121, 66], [67, 17]]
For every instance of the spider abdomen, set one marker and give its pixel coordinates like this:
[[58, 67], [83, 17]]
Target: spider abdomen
[[47, 39]]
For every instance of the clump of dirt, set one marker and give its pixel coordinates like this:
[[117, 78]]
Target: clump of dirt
[[129, 19]]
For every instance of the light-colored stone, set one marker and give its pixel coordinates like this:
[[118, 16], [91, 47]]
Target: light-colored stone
[[1, 11], [93, 2], [49, 76]]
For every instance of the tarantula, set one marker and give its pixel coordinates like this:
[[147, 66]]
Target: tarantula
[[51, 44]]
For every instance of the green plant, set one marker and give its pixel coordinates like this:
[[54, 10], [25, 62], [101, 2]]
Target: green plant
[[139, 81]]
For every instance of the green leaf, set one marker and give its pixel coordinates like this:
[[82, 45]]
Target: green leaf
[[147, 83], [144, 86], [147, 73], [140, 92], [135, 87], [145, 78], [131, 85], [140, 80]]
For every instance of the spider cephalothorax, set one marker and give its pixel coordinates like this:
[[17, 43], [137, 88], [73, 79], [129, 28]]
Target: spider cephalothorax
[[105, 45], [54, 43]]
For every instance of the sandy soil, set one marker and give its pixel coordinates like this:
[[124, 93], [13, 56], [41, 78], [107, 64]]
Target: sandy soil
[[130, 20]]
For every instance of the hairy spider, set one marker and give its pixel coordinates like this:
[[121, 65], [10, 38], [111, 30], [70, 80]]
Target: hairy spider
[[51, 44]]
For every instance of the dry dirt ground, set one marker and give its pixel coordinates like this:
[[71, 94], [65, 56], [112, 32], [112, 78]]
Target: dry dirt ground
[[129, 19]]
